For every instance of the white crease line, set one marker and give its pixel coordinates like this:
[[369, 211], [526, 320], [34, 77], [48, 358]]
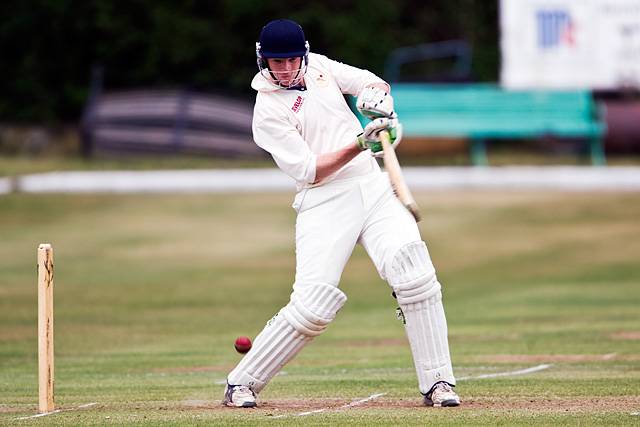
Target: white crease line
[[348, 405], [509, 373], [375, 396], [86, 405], [39, 415]]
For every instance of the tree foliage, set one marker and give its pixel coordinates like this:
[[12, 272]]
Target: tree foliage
[[49, 46]]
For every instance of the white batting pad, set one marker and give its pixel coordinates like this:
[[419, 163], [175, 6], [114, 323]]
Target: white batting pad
[[310, 310], [414, 281]]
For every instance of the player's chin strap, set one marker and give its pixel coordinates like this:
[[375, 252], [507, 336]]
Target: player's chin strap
[[270, 75], [311, 308], [417, 289]]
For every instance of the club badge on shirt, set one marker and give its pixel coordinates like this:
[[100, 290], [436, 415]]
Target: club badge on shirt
[[322, 81]]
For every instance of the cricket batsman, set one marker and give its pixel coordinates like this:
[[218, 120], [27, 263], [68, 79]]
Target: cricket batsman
[[343, 198]]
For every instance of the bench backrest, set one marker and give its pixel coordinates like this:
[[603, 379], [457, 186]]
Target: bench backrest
[[487, 111]]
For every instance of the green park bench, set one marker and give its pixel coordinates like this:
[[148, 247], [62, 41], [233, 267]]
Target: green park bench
[[482, 112]]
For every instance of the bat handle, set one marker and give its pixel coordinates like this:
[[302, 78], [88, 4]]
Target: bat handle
[[385, 139]]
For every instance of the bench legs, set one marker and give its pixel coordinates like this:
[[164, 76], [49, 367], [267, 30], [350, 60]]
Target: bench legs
[[479, 152], [479, 157], [597, 152]]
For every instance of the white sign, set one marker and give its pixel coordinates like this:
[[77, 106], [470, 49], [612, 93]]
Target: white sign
[[570, 44]]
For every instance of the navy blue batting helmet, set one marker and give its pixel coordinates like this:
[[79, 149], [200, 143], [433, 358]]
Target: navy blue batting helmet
[[282, 38]]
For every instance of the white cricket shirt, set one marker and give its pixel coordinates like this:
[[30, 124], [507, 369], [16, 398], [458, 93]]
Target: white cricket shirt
[[295, 126]]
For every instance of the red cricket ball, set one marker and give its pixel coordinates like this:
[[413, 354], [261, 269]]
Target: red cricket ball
[[242, 344]]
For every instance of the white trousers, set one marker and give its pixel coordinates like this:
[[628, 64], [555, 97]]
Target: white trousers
[[334, 217]]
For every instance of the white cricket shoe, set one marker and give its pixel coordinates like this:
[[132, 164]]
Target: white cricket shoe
[[239, 396], [441, 394]]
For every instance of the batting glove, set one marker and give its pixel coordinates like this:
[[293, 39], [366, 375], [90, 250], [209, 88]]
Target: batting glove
[[374, 102], [370, 138]]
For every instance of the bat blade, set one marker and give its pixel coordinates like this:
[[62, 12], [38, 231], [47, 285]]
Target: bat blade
[[392, 166]]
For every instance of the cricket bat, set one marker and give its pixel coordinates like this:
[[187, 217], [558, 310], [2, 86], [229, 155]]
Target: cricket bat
[[398, 183]]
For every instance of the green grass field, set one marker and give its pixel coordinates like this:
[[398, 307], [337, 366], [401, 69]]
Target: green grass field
[[151, 292]]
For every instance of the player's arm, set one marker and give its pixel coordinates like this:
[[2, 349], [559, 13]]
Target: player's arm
[[351, 80], [276, 135], [328, 163]]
